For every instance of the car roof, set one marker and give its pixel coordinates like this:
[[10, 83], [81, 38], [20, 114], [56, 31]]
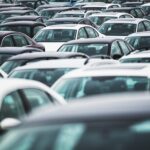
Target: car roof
[[72, 12], [94, 40], [15, 11], [127, 69], [46, 55], [146, 33], [75, 19], [121, 8], [54, 8], [107, 107], [146, 4], [24, 17], [57, 63], [126, 20], [4, 33], [96, 5]]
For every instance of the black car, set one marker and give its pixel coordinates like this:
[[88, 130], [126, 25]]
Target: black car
[[39, 19], [7, 52], [116, 122], [30, 28], [136, 12], [22, 59], [70, 20], [17, 39], [109, 46]]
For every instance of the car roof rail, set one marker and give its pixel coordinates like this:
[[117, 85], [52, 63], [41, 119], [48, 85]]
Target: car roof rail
[[97, 56]]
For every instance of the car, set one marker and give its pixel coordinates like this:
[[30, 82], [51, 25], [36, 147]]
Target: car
[[136, 12], [70, 20], [15, 8], [23, 96], [23, 59], [140, 40], [47, 71], [100, 18], [114, 120], [146, 8], [7, 52], [39, 19], [29, 28], [17, 39], [3, 74], [109, 46], [5, 14], [132, 4], [104, 79], [124, 26], [138, 57], [52, 37], [4, 5]]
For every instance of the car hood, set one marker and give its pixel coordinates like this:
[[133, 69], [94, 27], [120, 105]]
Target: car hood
[[51, 46]]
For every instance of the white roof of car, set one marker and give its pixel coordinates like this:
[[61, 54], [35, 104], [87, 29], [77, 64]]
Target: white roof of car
[[146, 33], [59, 63], [66, 26], [112, 70], [126, 20], [101, 5], [72, 12], [146, 4]]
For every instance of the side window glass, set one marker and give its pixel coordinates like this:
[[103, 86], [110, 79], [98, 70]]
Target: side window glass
[[133, 13], [115, 49], [37, 28], [12, 106], [20, 40], [36, 97], [147, 25], [91, 32], [82, 33], [141, 27], [124, 48], [139, 13], [7, 42], [122, 16]]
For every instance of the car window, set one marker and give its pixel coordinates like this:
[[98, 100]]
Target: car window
[[36, 97], [82, 33], [124, 47], [90, 32], [141, 27], [37, 28], [7, 42], [139, 13], [133, 13], [115, 49], [147, 25], [20, 40], [12, 106], [127, 16]]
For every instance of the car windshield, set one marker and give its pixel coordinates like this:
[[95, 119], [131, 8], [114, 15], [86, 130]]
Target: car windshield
[[46, 76], [87, 48], [4, 57], [98, 20], [139, 42], [48, 14], [56, 35], [136, 60], [8, 66], [117, 29], [69, 15], [22, 28], [73, 88], [96, 135]]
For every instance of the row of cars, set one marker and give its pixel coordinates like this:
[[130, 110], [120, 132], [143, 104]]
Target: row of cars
[[71, 85]]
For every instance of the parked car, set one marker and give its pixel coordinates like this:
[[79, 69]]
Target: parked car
[[70, 20], [7, 52], [22, 97], [17, 39], [138, 57], [114, 120], [47, 71], [132, 4], [3, 74], [103, 80], [109, 46], [146, 8], [23, 59], [136, 12], [124, 27], [30, 28], [100, 18], [52, 37], [140, 40]]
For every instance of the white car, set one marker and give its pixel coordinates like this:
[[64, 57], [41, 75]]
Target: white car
[[52, 37], [18, 97], [47, 71], [103, 80], [100, 18], [124, 27]]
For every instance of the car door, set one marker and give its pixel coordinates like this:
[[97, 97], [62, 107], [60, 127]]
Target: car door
[[82, 33], [91, 32], [7, 41], [12, 106]]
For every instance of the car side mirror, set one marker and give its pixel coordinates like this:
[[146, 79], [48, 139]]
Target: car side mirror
[[116, 56], [8, 123]]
